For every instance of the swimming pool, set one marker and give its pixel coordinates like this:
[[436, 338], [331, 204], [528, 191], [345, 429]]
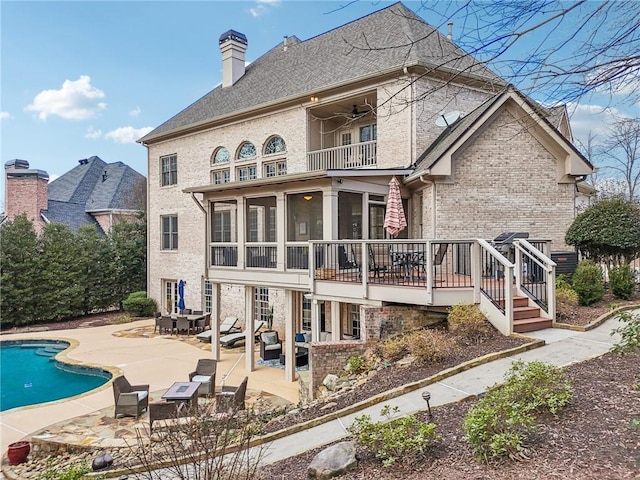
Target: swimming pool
[[29, 374]]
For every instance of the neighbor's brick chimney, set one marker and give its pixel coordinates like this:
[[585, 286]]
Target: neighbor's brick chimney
[[25, 191], [233, 45]]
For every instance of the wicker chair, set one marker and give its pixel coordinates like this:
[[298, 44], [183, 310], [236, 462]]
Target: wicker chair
[[205, 373], [183, 323], [270, 345], [231, 399], [130, 400]]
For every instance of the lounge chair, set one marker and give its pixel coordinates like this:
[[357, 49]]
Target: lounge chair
[[227, 326], [231, 339], [205, 373], [130, 400]]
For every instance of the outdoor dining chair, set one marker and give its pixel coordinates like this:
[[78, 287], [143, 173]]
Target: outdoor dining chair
[[183, 324], [232, 399]]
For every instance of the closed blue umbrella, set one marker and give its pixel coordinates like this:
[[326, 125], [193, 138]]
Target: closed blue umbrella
[[181, 295]]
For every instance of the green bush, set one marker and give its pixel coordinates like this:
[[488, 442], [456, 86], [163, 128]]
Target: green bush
[[356, 364], [430, 346], [622, 281], [404, 439], [72, 472], [468, 323], [500, 421], [588, 282], [140, 305], [629, 333], [562, 282]]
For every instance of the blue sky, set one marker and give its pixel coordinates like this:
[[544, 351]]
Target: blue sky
[[89, 78]]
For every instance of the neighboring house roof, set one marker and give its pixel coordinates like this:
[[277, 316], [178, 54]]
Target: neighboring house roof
[[92, 186], [448, 138], [382, 42]]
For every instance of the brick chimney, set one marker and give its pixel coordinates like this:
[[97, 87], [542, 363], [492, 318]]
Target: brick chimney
[[233, 45], [25, 191]]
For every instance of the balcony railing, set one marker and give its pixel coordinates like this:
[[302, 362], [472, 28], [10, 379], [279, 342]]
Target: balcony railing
[[357, 155]]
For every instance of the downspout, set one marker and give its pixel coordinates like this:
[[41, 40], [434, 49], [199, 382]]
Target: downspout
[[433, 204]]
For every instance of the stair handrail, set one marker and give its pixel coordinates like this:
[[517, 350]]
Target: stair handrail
[[549, 266], [499, 311]]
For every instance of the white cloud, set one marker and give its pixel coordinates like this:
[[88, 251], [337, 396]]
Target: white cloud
[[127, 134], [93, 133], [262, 7], [76, 100], [135, 112], [591, 118], [5, 116]]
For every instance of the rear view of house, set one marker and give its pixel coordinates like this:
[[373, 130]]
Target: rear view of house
[[270, 192]]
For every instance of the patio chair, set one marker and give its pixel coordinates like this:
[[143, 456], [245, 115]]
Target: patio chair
[[205, 373], [130, 400], [183, 323], [227, 326], [270, 345], [164, 324], [232, 399], [231, 339]]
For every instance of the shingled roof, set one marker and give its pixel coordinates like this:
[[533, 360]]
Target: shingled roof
[[90, 187], [384, 41]]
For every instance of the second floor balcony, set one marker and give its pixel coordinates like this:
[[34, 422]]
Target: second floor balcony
[[357, 155]]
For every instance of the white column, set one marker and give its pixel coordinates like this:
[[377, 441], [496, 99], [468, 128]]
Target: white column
[[289, 334], [336, 325], [215, 321], [249, 329], [315, 321]]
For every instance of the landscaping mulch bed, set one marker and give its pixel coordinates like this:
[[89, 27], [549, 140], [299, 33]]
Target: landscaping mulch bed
[[592, 438]]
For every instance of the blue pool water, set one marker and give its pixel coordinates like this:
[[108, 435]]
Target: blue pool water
[[29, 374]]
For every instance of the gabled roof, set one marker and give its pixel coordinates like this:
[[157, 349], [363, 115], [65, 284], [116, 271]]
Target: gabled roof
[[382, 42], [453, 134], [90, 187]]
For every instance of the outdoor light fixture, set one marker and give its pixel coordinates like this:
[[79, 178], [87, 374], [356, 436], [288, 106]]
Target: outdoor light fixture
[[354, 112], [308, 197], [426, 396]]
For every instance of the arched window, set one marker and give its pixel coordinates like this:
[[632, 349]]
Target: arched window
[[221, 155], [275, 144], [246, 150]]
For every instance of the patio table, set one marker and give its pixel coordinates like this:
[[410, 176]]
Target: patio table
[[185, 393]]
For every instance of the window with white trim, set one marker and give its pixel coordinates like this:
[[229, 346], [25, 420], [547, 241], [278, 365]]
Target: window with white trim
[[169, 232], [275, 169], [219, 177], [275, 144], [169, 170], [246, 150], [249, 172], [354, 319], [208, 296], [221, 155], [306, 314], [221, 227], [261, 304]]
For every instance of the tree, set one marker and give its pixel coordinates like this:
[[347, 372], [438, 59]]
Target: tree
[[608, 231], [60, 293], [622, 149], [129, 240], [581, 47], [19, 273]]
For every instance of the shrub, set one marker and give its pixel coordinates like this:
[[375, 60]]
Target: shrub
[[140, 305], [563, 281], [72, 472], [621, 281], [138, 294], [468, 323], [404, 439], [499, 422], [629, 333], [356, 364], [394, 349], [566, 300], [588, 282], [429, 346]]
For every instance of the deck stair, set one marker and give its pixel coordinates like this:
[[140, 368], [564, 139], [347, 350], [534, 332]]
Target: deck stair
[[527, 318]]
